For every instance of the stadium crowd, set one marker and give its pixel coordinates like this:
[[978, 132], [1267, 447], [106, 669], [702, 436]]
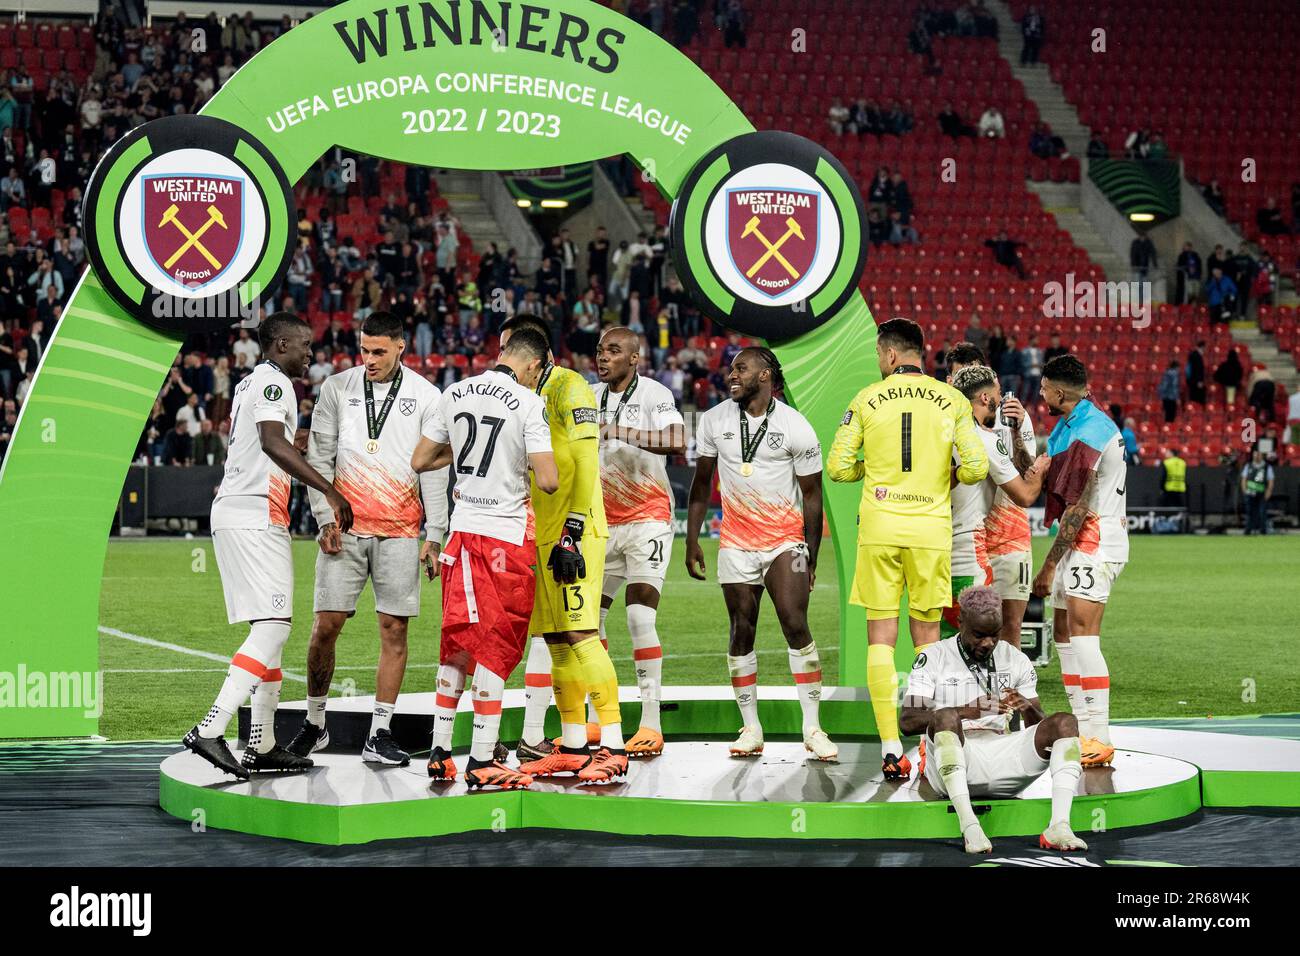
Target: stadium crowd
[[388, 240]]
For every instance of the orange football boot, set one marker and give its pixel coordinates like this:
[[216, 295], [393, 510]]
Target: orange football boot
[[605, 767], [495, 774], [441, 767], [646, 742], [1094, 753], [557, 761], [896, 768]]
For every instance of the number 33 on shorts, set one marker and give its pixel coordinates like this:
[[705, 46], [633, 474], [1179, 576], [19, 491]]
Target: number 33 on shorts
[[1086, 576]]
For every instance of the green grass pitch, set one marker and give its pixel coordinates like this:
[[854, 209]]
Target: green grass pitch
[[1196, 626]]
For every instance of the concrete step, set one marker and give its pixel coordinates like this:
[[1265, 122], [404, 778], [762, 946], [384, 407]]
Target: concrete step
[[1062, 201]]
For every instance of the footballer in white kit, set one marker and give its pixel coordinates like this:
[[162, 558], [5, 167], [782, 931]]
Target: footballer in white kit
[[491, 428], [1007, 539], [975, 507], [250, 536], [1086, 490], [365, 426], [640, 426], [768, 461], [975, 699]]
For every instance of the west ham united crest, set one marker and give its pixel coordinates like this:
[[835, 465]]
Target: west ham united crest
[[192, 225], [772, 236], [189, 223], [767, 234]]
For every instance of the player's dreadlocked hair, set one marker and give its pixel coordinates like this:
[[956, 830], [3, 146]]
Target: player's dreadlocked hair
[[768, 358], [973, 379], [978, 600], [277, 326]]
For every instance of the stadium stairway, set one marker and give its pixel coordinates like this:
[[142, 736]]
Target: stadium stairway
[[1264, 351], [1053, 107], [463, 191], [1063, 201]]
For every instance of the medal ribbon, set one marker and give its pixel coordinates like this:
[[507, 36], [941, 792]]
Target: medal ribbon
[[749, 449], [375, 425], [622, 402]]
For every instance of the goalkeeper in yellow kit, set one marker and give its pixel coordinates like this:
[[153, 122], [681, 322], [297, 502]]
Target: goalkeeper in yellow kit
[[907, 426], [571, 535]]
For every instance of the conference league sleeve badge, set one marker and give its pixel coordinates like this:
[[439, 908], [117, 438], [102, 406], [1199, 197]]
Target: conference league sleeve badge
[[188, 223], [767, 234]]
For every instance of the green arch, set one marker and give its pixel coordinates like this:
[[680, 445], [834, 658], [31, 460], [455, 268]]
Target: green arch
[[96, 384]]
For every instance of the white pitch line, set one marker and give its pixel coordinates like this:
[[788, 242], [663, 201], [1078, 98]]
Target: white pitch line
[[291, 675], [370, 667], [193, 652]]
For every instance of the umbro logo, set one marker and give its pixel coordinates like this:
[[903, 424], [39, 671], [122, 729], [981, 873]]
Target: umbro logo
[[354, 402], [727, 436]]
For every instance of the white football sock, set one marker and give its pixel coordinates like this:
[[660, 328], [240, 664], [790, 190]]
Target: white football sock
[[381, 717], [1063, 765], [537, 691], [486, 693], [316, 710], [451, 684], [266, 698], [265, 641], [1094, 678], [1073, 691], [648, 659], [806, 668], [952, 768], [744, 684]]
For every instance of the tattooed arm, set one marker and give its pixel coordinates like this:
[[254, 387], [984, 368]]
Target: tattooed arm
[[1071, 521]]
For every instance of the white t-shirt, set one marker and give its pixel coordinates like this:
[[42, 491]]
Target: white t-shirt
[[943, 677], [971, 505], [381, 487], [763, 510], [1293, 407], [492, 424], [248, 348], [1110, 505], [254, 491], [635, 481], [1006, 529]]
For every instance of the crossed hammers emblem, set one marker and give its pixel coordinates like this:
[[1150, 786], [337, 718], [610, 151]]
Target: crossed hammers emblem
[[773, 248], [192, 238]]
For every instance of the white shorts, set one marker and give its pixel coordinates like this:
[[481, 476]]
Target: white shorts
[[392, 564], [256, 572], [750, 567], [997, 765], [638, 554], [1087, 576], [1013, 575]]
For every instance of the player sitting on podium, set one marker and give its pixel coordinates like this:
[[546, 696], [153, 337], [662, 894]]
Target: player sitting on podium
[[974, 698]]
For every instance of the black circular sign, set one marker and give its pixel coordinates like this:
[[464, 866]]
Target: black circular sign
[[189, 223], [767, 234]]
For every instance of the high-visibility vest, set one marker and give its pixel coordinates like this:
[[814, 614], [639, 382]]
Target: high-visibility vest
[[1175, 474]]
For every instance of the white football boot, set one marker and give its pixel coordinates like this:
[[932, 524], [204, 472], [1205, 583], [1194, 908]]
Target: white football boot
[[749, 743], [819, 745], [1059, 836], [976, 841]]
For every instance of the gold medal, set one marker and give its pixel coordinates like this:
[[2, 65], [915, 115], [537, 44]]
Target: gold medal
[[372, 446], [747, 469]]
